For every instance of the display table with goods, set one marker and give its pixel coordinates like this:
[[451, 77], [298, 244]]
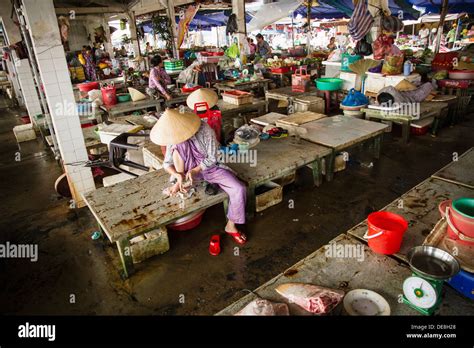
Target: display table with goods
[[324, 283], [275, 159], [138, 206], [340, 133], [243, 86], [130, 106], [288, 95], [436, 111]]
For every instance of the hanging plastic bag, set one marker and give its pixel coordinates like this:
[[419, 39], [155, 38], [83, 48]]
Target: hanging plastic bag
[[363, 48], [335, 56], [392, 24], [393, 63], [361, 21], [382, 46], [233, 51]]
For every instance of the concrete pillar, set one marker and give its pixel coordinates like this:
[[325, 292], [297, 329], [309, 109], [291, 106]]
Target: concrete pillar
[[238, 7], [133, 33], [28, 88], [12, 35], [174, 29], [43, 27], [108, 45]]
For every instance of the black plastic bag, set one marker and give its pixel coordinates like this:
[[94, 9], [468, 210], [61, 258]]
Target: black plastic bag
[[363, 48]]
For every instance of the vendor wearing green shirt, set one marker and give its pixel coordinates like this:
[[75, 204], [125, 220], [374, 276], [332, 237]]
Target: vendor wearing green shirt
[[263, 48], [451, 36]]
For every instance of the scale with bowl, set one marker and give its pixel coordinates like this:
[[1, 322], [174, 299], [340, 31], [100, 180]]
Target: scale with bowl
[[431, 267]]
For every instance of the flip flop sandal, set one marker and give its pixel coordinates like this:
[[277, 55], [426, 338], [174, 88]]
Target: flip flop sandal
[[215, 245], [211, 189], [239, 237]]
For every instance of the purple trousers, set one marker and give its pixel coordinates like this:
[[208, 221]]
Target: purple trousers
[[225, 179]]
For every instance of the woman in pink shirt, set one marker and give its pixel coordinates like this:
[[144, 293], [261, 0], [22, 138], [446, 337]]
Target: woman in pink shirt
[[158, 79]]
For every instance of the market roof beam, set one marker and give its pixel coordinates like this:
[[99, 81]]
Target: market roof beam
[[88, 10], [147, 6]]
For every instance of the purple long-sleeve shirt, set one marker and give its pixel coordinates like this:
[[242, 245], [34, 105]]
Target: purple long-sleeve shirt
[[156, 75]]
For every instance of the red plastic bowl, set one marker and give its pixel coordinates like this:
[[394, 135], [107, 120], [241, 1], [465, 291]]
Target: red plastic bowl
[[88, 86], [188, 222]]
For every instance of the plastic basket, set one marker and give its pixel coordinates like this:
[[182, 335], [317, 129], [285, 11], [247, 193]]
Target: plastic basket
[[212, 117], [237, 97]]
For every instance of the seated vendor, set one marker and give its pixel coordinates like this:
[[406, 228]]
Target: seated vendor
[[158, 79], [192, 154]]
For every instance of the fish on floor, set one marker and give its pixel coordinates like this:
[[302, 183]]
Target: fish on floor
[[313, 298], [264, 307]]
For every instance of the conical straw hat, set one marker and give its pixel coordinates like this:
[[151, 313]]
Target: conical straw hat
[[404, 86], [136, 94], [202, 95], [174, 127]]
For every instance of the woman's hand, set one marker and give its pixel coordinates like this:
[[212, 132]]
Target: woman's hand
[[179, 180], [191, 173], [168, 97]]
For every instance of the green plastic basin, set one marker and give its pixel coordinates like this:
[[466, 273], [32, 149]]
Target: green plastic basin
[[123, 97], [329, 83]]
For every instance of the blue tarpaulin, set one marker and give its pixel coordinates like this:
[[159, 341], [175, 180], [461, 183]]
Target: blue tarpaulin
[[330, 9], [203, 20], [454, 6]]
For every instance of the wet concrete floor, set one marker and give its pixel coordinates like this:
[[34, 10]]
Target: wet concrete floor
[[75, 275]]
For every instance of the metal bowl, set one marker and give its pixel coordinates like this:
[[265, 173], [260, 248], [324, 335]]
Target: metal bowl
[[433, 263]]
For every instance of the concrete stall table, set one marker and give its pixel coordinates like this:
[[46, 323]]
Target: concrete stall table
[[341, 133], [437, 110], [136, 120], [419, 207], [276, 158], [133, 207], [287, 94], [130, 106], [452, 102], [268, 119], [459, 172], [378, 273], [243, 86]]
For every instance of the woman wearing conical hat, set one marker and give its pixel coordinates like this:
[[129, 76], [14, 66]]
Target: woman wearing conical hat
[[192, 154]]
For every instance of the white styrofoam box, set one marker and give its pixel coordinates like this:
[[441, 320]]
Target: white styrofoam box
[[393, 80], [24, 132], [332, 69], [107, 133], [374, 82], [351, 80]]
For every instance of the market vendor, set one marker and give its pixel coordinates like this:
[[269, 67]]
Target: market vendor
[[263, 48], [332, 44], [158, 79], [192, 154], [89, 66], [424, 35]]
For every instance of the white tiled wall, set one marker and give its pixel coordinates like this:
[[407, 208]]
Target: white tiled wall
[[28, 89], [59, 94]]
